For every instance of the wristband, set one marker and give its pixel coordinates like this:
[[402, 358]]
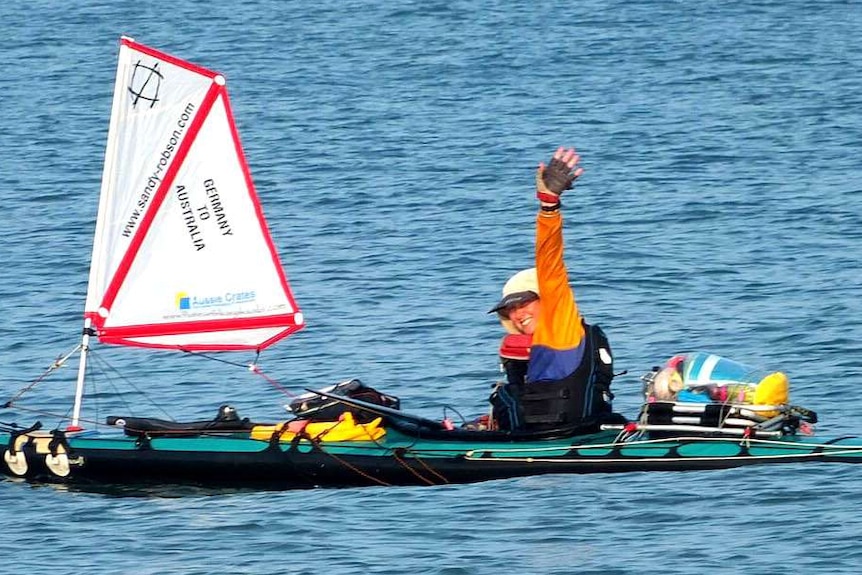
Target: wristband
[[548, 198]]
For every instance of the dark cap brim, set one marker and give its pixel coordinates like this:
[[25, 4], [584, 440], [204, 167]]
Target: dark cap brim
[[516, 299]]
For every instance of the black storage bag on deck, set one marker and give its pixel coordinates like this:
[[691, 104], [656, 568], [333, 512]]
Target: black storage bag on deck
[[319, 408]]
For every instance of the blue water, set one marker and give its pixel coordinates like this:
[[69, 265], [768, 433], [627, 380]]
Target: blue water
[[393, 146]]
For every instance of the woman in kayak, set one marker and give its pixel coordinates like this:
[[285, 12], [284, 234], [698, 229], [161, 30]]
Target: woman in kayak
[[558, 367]]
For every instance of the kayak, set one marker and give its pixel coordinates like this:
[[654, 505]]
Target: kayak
[[397, 448]]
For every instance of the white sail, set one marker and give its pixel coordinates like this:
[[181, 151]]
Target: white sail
[[182, 257]]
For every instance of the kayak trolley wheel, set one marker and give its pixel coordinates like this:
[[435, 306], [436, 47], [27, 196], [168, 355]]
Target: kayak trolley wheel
[[58, 464], [17, 463]]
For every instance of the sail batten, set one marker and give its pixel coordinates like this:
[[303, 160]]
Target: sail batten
[[182, 257]]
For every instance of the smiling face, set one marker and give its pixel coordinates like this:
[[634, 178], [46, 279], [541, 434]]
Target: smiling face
[[525, 317]]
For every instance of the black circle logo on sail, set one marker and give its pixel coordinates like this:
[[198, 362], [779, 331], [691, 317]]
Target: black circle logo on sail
[[145, 84]]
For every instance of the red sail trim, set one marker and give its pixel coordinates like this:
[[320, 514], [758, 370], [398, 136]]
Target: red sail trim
[[252, 192], [159, 197], [167, 58], [129, 335]]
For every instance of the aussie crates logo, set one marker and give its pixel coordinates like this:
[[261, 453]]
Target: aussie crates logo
[[186, 302]]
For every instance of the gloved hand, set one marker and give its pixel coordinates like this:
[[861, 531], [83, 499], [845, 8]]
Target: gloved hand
[[552, 180]]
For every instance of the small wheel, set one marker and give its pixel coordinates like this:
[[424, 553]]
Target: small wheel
[[58, 464], [17, 463]]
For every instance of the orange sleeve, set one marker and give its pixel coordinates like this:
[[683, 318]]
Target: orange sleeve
[[559, 326]]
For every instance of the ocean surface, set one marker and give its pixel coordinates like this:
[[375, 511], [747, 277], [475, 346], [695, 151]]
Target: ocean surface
[[393, 145]]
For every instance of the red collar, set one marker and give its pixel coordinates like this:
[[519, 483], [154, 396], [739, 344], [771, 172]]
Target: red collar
[[516, 346]]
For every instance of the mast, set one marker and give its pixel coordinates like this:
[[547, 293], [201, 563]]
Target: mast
[[108, 179], [82, 370]]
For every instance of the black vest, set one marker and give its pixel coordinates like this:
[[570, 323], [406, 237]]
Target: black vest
[[583, 396]]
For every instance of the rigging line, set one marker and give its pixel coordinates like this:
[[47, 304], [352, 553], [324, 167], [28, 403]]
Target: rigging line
[[253, 367], [394, 451], [378, 443], [406, 466], [11, 427], [58, 363], [101, 364], [350, 466], [94, 386], [322, 433], [213, 358], [429, 468], [107, 370], [62, 417], [317, 442]]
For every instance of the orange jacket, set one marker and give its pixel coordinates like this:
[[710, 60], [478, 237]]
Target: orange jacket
[[558, 341]]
